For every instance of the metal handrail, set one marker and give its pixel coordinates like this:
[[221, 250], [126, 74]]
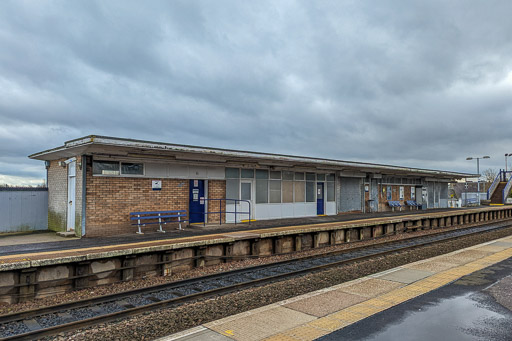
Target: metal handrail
[[506, 190], [493, 185], [221, 211]]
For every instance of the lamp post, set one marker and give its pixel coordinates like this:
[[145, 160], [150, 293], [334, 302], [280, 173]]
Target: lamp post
[[478, 171], [506, 163]]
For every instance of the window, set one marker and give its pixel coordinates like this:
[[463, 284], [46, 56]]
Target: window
[[132, 168], [287, 191], [232, 173], [232, 189], [310, 177], [105, 167], [261, 191], [320, 177], [330, 191], [299, 176], [261, 174], [275, 191], [299, 191], [247, 173], [288, 176], [310, 191], [275, 175]]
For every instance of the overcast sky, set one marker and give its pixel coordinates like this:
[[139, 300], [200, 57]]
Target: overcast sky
[[413, 83]]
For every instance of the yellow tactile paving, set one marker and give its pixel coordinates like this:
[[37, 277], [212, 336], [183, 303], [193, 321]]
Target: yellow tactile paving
[[328, 324], [347, 316], [306, 333], [281, 337]]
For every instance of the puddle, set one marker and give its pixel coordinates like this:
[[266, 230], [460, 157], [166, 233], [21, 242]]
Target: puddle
[[459, 318]]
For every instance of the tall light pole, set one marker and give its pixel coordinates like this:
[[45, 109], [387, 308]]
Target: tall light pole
[[478, 171], [506, 163]]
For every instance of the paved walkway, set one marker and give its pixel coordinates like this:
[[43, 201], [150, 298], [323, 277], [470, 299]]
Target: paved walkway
[[322, 312], [32, 238]]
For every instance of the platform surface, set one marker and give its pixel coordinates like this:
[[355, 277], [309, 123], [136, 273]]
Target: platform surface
[[197, 234], [356, 309]]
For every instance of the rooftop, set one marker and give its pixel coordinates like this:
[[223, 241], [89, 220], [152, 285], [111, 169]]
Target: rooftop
[[112, 147]]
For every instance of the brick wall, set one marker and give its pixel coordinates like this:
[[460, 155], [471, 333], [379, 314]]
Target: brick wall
[[395, 196], [216, 190], [111, 199], [57, 196]]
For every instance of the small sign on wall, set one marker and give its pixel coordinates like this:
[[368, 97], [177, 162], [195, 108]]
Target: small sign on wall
[[156, 185]]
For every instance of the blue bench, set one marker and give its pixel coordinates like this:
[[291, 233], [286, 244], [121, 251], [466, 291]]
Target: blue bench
[[412, 203], [158, 217], [394, 204]]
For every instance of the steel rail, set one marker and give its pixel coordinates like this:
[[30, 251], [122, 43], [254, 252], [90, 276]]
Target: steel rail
[[208, 293]]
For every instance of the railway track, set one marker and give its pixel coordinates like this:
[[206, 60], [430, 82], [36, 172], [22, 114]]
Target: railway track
[[37, 323]]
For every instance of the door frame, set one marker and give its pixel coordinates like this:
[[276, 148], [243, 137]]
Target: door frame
[[323, 198], [247, 181], [71, 195], [190, 199]]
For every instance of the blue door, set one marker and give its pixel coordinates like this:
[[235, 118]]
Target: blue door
[[196, 201], [320, 198]]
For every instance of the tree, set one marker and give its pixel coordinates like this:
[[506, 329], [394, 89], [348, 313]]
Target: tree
[[489, 175]]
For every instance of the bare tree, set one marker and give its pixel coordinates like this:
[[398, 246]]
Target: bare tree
[[488, 177]]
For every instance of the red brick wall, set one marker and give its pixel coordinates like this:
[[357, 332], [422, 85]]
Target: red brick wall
[[111, 199], [216, 190], [395, 196]]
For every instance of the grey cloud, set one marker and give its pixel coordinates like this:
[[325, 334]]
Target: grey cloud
[[411, 83]]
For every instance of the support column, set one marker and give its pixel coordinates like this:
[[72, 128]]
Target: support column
[[128, 272], [298, 242], [27, 290], [82, 270]]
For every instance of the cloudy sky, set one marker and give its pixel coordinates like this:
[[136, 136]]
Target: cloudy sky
[[412, 83]]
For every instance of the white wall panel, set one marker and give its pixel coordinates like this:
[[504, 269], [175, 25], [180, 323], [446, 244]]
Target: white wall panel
[[330, 208]]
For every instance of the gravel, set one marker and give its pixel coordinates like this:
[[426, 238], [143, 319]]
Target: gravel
[[166, 321]]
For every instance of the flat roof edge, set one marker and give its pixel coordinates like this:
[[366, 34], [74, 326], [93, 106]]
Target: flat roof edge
[[124, 142]]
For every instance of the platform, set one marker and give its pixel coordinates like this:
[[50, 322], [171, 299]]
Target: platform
[[32, 246], [34, 270], [325, 314]]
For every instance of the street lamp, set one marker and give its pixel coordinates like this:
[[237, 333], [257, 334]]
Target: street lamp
[[478, 171], [506, 164]]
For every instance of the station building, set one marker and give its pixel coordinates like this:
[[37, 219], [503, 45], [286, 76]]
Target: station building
[[94, 183]]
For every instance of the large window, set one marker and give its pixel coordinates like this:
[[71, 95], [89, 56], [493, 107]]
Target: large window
[[287, 187], [331, 188], [310, 187], [117, 168], [261, 186]]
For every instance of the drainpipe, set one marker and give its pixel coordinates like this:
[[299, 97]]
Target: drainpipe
[[84, 187]]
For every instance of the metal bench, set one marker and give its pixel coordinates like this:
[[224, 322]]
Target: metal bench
[[158, 217], [412, 203], [394, 204]]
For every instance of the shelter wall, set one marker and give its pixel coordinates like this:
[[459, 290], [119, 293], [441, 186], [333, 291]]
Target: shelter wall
[[57, 196]]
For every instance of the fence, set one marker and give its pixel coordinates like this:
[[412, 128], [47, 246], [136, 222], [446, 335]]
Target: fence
[[23, 209]]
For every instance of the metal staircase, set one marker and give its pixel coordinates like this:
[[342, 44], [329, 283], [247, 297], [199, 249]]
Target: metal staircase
[[500, 188]]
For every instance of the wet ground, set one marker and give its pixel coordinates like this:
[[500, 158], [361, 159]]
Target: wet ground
[[193, 230], [476, 307]]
